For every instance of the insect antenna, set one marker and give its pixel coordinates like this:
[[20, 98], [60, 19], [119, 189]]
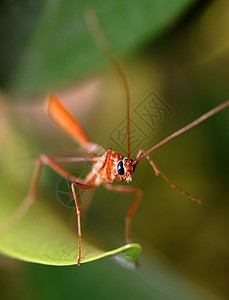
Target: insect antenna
[[186, 128], [104, 46]]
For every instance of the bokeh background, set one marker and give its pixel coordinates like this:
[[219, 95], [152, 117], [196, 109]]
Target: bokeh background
[[180, 50]]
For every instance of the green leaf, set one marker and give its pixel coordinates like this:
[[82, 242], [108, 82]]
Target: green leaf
[[43, 237], [56, 48]]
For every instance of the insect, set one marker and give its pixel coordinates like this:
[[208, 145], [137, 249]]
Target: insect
[[107, 168]]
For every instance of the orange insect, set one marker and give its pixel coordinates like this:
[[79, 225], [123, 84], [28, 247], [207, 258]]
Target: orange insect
[[111, 166], [106, 169]]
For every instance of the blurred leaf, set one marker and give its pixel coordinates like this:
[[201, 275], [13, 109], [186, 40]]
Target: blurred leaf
[[156, 278], [57, 47]]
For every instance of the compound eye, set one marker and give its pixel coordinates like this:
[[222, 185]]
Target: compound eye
[[120, 168]]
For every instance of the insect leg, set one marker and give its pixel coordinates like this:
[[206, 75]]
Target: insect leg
[[138, 196], [78, 212], [158, 172], [31, 197]]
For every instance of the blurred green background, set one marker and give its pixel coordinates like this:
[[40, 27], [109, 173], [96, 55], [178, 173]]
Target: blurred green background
[[180, 50]]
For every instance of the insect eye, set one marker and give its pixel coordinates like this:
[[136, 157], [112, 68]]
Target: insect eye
[[120, 168]]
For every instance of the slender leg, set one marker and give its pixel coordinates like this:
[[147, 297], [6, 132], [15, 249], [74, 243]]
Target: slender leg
[[158, 172], [31, 197], [74, 183], [90, 179], [138, 196]]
